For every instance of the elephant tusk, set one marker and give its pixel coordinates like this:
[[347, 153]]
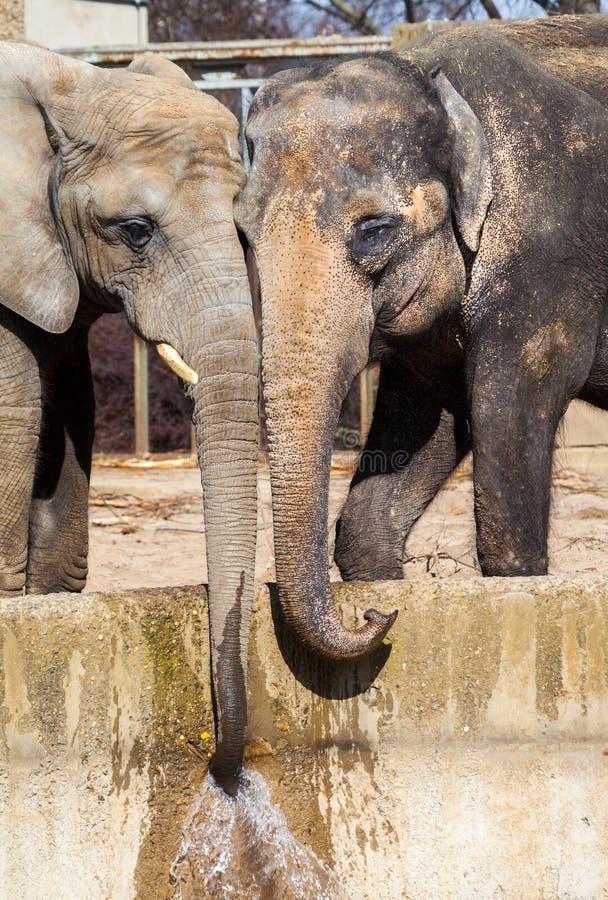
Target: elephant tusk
[[176, 363]]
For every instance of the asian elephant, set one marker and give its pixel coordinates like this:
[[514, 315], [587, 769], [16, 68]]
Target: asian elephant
[[444, 211], [116, 193]]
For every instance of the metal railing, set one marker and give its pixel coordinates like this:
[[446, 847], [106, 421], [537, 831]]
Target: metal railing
[[216, 55], [219, 65]]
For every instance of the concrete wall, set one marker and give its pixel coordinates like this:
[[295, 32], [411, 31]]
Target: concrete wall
[[81, 23], [470, 760]]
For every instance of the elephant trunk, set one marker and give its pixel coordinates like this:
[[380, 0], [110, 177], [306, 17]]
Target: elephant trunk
[[225, 418], [300, 494], [308, 365]]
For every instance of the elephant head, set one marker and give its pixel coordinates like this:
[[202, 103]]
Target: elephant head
[[369, 180], [116, 192]]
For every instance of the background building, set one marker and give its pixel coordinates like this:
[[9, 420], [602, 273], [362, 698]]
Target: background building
[[75, 23]]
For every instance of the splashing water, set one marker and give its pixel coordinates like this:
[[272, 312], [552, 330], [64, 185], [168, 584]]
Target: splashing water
[[241, 847]]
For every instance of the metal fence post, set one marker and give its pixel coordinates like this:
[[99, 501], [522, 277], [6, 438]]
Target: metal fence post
[[140, 379]]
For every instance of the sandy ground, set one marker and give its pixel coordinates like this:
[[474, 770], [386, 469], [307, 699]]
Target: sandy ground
[[146, 526]]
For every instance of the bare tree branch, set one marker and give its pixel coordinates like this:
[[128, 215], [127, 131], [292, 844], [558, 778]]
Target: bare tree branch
[[459, 10], [360, 21], [190, 20], [491, 9], [569, 7], [186, 20]]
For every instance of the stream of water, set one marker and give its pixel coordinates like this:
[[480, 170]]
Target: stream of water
[[241, 847]]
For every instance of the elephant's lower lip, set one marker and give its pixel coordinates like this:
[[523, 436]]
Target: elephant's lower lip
[[388, 318]]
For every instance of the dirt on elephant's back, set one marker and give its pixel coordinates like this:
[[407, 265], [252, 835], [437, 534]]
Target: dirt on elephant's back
[[111, 349]]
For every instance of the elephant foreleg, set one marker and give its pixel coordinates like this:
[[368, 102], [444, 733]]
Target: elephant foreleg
[[418, 435], [18, 443], [58, 526], [519, 391], [19, 427]]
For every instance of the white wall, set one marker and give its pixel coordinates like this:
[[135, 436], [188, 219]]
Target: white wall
[[583, 426], [82, 23]]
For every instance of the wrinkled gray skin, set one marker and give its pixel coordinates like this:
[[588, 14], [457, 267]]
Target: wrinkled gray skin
[[445, 211], [116, 192]]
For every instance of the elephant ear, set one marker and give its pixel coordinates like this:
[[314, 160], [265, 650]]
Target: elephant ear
[[37, 277], [160, 67], [470, 164]]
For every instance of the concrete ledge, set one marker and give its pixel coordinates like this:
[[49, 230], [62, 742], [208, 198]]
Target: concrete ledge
[[468, 759]]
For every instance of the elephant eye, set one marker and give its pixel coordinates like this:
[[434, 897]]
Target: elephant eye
[[136, 233], [372, 236]]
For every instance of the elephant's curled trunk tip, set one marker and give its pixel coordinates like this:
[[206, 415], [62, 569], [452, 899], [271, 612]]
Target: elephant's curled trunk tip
[[338, 643], [379, 624], [382, 621]]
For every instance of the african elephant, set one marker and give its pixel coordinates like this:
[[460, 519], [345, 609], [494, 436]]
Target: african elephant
[[444, 211], [116, 193]]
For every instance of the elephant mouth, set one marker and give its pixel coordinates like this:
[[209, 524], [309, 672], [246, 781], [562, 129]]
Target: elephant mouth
[[388, 317]]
